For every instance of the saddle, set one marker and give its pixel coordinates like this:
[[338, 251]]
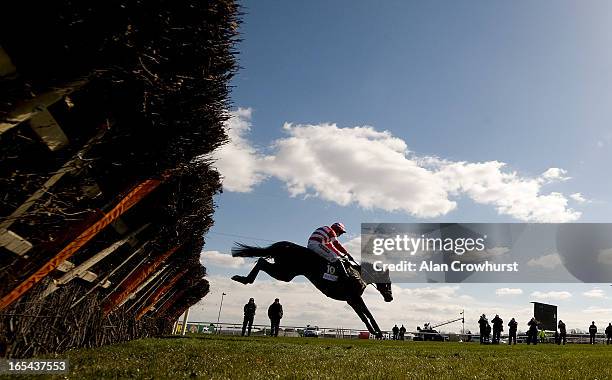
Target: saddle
[[336, 272]]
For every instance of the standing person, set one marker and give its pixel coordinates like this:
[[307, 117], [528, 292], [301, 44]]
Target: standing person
[[249, 314], [562, 332], [395, 330], [402, 332], [482, 323], [275, 313], [542, 336], [513, 325], [498, 326], [609, 333], [532, 333], [592, 332]]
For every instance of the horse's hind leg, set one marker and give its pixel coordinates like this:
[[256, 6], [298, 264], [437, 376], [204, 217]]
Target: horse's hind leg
[[250, 278], [274, 270]]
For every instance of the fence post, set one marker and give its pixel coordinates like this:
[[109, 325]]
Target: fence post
[[184, 329]]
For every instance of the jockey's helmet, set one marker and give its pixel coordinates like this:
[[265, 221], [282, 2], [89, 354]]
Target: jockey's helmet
[[339, 228]]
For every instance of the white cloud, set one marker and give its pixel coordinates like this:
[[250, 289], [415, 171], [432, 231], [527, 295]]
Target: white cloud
[[605, 256], [598, 310], [550, 261], [492, 253], [555, 174], [376, 170], [356, 165], [353, 246], [221, 259], [578, 198], [552, 295], [428, 293], [237, 161], [595, 293], [508, 291]]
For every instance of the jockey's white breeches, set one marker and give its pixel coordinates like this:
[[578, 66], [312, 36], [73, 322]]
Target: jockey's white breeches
[[323, 251]]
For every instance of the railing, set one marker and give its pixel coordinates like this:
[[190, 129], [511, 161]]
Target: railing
[[224, 328], [260, 330]]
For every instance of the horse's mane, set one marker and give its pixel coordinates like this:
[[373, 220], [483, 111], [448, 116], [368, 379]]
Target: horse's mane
[[372, 276]]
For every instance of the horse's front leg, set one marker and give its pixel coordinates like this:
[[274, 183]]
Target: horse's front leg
[[366, 316], [250, 278], [371, 318], [358, 307]]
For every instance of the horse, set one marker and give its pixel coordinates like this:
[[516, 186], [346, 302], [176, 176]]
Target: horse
[[291, 260]]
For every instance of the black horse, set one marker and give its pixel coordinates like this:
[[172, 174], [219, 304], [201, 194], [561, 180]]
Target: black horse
[[291, 260]]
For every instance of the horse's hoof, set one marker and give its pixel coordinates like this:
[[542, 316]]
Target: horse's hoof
[[240, 279]]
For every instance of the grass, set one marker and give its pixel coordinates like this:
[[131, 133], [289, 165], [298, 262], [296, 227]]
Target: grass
[[222, 357]]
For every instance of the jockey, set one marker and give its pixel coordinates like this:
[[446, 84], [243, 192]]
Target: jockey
[[324, 241]]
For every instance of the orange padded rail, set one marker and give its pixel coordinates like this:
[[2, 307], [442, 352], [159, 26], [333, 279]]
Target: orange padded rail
[[135, 279], [159, 293], [134, 196]]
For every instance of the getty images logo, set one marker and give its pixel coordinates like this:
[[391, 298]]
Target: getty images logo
[[412, 245]]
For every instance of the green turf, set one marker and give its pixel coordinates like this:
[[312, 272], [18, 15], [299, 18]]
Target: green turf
[[265, 358]]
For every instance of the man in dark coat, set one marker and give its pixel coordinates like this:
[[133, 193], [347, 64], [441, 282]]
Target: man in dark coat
[[609, 333], [249, 314], [402, 332], [395, 331], [498, 326], [562, 332], [532, 333], [513, 325], [592, 332], [482, 323], [275, 313]]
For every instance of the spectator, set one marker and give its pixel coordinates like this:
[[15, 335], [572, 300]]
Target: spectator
[[562, 332], [482, 323], [532, 333], [249, 314], [275, 313], [395, 330], [609, 333], [488, 333], [402, 332], [498, 327], [592, 332], [542, 336], [513, 325]]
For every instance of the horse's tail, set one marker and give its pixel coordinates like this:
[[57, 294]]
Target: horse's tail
[[243, 250]]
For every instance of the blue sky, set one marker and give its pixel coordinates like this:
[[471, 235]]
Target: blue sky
[[525, 83]]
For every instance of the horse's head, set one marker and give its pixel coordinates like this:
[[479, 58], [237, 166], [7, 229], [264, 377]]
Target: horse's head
[[381, 280]]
